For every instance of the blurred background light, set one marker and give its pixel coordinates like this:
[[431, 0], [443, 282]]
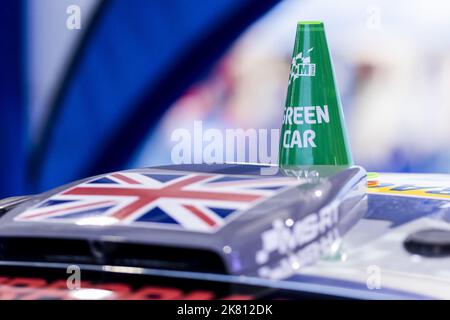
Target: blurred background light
[[109, 96]]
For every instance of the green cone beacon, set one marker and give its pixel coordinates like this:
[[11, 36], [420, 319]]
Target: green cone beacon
[[313, 131]]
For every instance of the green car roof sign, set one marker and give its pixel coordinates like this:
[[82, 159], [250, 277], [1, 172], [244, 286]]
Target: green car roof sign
[[313, 131]]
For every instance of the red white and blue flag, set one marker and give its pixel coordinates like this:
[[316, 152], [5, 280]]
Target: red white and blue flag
[[194, 202]]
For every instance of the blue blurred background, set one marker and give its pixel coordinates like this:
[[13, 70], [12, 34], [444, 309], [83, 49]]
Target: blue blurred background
[[78, 100]]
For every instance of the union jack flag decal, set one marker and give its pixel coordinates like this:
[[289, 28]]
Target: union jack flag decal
[[194, 202]]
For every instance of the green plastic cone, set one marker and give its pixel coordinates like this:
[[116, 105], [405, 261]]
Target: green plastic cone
[[313, 131]]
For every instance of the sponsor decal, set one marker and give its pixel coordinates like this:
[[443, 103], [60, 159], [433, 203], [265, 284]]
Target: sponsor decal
[[21, 288], [301, 66], [409, 185], [301, 242]]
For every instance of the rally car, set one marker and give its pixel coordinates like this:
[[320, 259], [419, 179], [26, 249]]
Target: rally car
[[229, 232]]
